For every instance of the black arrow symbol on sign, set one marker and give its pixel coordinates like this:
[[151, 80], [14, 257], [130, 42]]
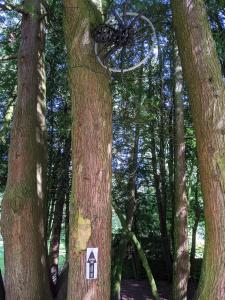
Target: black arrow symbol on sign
[[92, 261]]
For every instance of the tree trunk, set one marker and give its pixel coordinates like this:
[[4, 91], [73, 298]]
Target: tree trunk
[[23, 205], [2, 288], [130, 211], [181, 255], [131, 204], [90, 215], [197, 211], [141, 253], [171, 171], [161, 208], [67, 225], [193, 246], [116, 280], [206, 90], [61, 195]]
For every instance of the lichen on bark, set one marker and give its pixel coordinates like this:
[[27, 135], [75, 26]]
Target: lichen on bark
[[83, 233], [220, 160]]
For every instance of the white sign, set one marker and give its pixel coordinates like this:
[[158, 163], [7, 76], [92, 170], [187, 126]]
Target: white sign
[[91, 263]]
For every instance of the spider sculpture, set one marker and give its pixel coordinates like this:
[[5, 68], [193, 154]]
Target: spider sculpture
[[125, 41]]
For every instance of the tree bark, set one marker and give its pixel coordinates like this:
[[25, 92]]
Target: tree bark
[[24, 199], [181, 255], [206, 90], [90, 215]]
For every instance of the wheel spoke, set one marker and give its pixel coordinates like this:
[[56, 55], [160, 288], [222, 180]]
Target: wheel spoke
[[105, 47], [131, 44], [119, 20], [140, 37], [143, 36], [125, 5], [122, 57], [135, 19], [142, 29], [109, 53]]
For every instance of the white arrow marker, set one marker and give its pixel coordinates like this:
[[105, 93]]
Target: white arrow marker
[[91, 263]]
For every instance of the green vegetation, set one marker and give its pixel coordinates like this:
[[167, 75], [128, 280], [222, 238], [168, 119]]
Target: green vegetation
[[145, 143]]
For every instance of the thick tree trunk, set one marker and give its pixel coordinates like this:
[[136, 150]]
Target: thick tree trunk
[[23, 205], [90, 215], [181, 255], [206, 89]]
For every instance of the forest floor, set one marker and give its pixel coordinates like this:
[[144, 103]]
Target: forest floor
[[139, 290]]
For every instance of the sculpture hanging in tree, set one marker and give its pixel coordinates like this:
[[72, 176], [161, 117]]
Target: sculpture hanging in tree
[[125, 41]]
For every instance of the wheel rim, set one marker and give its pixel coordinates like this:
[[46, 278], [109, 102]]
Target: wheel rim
[[150, 40]]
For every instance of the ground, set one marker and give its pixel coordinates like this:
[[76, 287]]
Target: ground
[[139, 290]]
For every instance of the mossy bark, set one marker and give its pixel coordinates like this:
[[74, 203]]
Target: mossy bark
[[90, 211], [23, 204], [202, 73]]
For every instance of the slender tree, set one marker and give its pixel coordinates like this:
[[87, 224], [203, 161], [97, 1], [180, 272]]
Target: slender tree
[[90, 216], [202, 73], [132, 200], [23, 205], [141, 253], [181, 255], [63, 190], [197, 218]]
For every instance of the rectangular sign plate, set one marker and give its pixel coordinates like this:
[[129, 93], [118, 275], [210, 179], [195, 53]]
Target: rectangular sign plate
[[91, 263]]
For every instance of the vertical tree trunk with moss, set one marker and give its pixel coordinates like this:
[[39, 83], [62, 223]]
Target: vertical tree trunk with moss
[[90, 215], [202, 73], [181, 255], [23, 205]]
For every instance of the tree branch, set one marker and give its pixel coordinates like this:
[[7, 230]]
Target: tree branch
[[140, 251], [10, 7], [6, 58]]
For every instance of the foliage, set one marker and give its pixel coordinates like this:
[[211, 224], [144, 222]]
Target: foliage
[[150, 90]]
